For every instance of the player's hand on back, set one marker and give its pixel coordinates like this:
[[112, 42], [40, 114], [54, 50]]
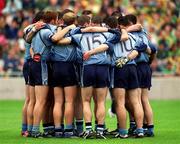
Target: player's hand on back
[[39, 25], [86, 55]]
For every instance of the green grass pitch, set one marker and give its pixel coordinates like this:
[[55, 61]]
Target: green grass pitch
[[166, 116]]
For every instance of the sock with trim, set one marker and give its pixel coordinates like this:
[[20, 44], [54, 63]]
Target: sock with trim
[[24, 127]]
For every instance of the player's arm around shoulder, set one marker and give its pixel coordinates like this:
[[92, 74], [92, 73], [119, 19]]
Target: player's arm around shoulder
[[64, 41], [99, 49], [124, 35], [113, 38], [94, 29], [31, 30], [61, 33], [135, 27]]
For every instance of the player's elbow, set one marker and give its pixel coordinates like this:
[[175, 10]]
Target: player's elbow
[[54, 39]]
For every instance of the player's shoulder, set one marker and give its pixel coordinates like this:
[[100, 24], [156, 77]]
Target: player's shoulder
[[145, 31], [48, 28], [74, 30], [46, 31], [76, 36], [106, 35]]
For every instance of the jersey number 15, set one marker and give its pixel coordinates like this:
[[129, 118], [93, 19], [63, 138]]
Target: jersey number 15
[[94, 39]]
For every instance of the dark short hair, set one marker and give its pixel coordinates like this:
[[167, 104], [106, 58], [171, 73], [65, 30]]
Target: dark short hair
[[81, 20], [116, 14], [96, 20], [59, 15], [123, 21], [39, 15], [112, 22], [131, 18]]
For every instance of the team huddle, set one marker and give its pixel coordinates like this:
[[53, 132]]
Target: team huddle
[[71, 59]]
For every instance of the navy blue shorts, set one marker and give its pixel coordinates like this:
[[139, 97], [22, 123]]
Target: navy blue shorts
[[144, 75], [95, 75], [26, 71], [126, 77], [63, 74], [38, 73]]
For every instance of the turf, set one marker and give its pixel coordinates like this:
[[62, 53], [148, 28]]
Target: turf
[[166, 115]]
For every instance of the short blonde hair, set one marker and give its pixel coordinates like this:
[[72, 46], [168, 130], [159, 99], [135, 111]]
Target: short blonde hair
[[69, 18]]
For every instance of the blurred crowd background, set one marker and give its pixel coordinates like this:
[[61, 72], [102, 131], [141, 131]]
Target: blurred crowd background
[[161, 18]]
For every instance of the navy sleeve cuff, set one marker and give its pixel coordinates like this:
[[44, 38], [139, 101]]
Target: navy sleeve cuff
[[141, 47]]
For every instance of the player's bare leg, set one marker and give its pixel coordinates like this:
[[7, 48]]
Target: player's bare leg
[[86, 93], [78, 106], [58, 110], [30, 108], [132, 125], [51, 98], [119, 95], [148, 113], [86, 98], [62, 119], [133, 95], [79, 112], [24, 110], [111, 110], [101, 94], [47, 120], [70, 93], [129, 108], [95, 108], [41, 93]]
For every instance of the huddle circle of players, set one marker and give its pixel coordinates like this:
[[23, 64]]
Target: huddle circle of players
[[70, 60]]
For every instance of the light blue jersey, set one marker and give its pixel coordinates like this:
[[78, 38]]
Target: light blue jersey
[[88, 41], [79, 54], [42, 43], [123, 48], [66, 53], [27, 54], [27, 45], [143, 56]]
